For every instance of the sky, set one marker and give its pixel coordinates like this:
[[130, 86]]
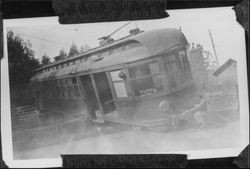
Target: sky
[[48, 36]]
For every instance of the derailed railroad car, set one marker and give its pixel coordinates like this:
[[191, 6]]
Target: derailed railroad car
[[143, 79]]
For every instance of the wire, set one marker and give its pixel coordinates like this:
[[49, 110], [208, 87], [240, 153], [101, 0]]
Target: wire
[[78, 30], [48, 40], [120, 28]]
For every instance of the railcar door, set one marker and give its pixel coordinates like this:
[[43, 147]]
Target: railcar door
[[173, 70], [89, 95], [104, 92]]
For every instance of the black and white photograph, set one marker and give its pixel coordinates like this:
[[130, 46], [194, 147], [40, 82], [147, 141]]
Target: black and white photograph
[[173, 85]]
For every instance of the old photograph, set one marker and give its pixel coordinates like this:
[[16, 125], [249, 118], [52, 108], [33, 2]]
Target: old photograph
[[172, 85]]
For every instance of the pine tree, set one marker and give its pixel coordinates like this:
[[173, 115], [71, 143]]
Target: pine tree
[[73, 50], [45, 59], [22, 63], [62, 53], [84, 48]]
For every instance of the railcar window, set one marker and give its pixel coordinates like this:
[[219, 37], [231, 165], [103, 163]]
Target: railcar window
[[139, 71], [36, 90], [86, 58], [154, 68], [60, 86], [133, 45], [69, 87], [47, 88], [119, 84], [78, 61], [123, 47], [115, 75], [184, 62], [41, 89], [146, 79], [39, 86], [63, 88], [58, 92], [105, 53], [44, 89], [110, 51], [77, 92], [172, 58], [181, 56], [173, 70], [117, 49], [66, 93], [54, 88], [50, 86], [63, 91], [96, 57]]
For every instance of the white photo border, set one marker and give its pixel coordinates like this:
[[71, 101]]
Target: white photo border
[[6, 133]]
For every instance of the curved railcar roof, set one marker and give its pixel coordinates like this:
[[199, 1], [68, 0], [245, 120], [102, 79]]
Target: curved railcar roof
[[159, 40], [153, 42]]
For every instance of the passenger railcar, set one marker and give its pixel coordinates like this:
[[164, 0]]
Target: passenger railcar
[[142, 79]]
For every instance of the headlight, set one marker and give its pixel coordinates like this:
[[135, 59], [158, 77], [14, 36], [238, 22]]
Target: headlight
[[164, 105]]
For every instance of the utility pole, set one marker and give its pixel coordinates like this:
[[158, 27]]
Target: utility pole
[[217, 61]]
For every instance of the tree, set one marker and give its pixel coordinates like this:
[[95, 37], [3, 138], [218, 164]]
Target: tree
[[22, 63], [84, 48], [73, 50], [45, 59], [62, 53]]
